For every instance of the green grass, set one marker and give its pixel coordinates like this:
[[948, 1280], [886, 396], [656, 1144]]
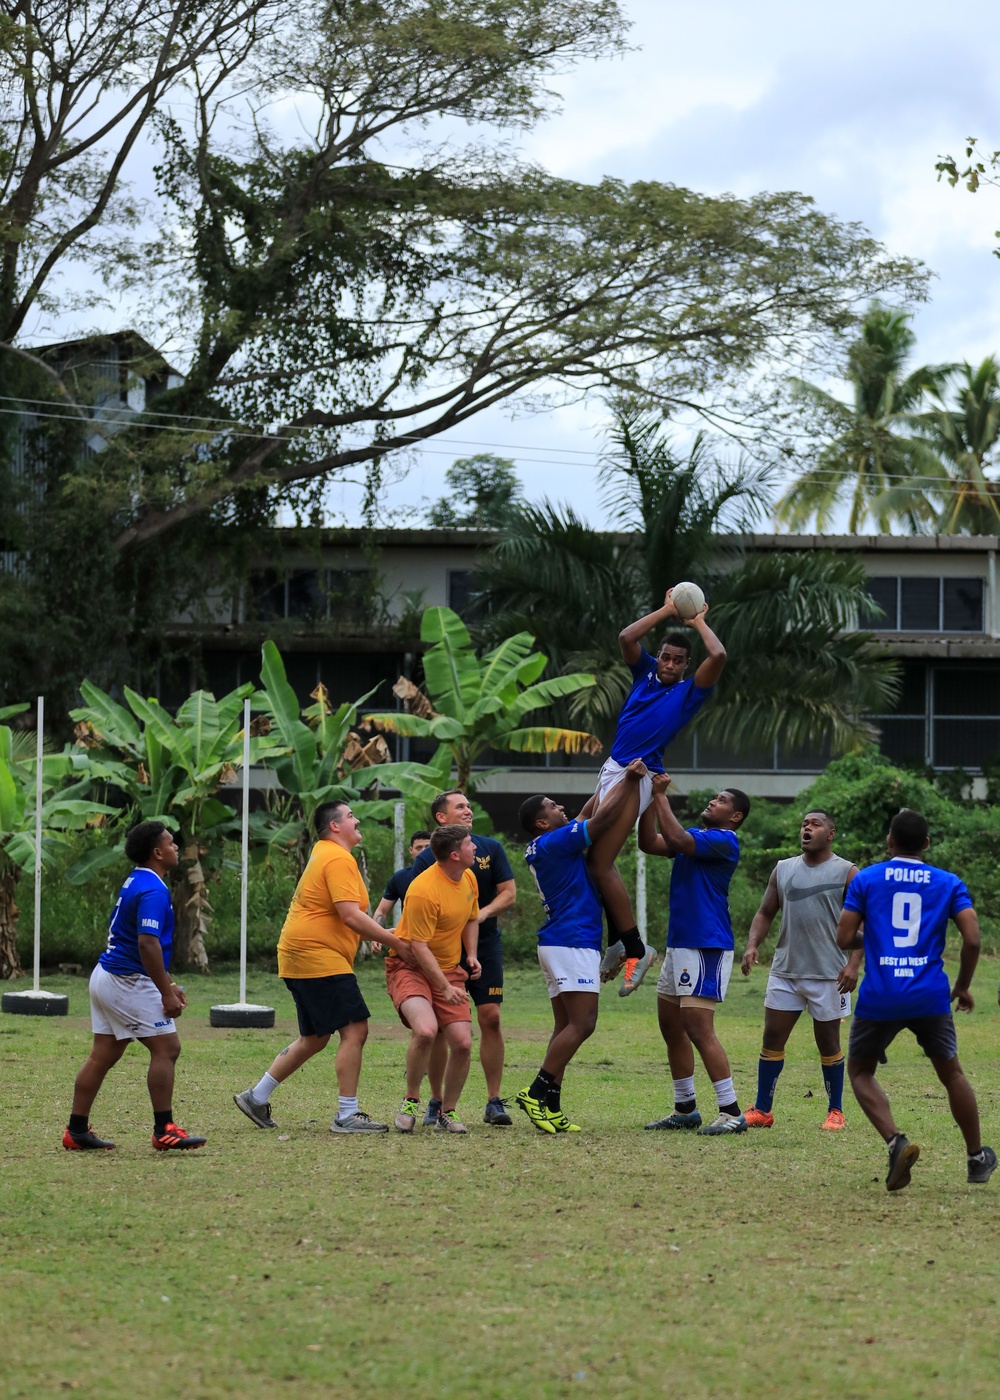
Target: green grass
[[507, 1263]]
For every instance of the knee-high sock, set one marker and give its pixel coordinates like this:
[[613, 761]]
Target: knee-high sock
[[769, 1066], [833, 1078]]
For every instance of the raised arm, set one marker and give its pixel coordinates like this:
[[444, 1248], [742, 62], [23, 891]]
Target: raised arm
[[650, 839], [760, 927], [715, 659], [676, 839], [630, 637]]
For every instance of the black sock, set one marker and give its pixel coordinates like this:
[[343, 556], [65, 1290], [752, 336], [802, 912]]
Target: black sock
[[552, 1101], [733, 1109], [160, 1120], [541, 1085], [688, 1106], [632, 940], [78, 1123]]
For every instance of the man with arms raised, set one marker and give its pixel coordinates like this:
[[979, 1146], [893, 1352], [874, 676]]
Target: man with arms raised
[[569, 942], [809, 970], [319, 940], [699, 956], [659, 705], [497, 890], [440, 920], [905, 906], [132, 996]]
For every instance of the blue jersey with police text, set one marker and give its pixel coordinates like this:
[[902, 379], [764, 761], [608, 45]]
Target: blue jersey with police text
[[557, 860], [699, 891], [906, 906], [653, 714], [143, 908]]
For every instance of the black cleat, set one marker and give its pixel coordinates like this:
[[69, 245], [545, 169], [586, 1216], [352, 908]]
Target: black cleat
[[89, 1142], [901, 1158], [175, 1138], [982, 1168]]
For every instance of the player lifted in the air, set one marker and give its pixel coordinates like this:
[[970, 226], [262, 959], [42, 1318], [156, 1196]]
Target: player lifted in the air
[[808, 970], [659, 705]]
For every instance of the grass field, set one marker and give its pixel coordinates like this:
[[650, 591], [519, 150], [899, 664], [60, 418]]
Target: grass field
[[507, 1263]]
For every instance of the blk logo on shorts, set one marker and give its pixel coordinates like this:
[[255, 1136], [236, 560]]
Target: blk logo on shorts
[[585, 981]]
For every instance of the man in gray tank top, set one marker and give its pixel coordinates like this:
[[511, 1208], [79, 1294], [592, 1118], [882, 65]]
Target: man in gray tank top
[[808, 970]]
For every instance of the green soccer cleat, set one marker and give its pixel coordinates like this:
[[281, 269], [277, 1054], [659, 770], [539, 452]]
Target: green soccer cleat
[[562, 1123], [537, 1112]]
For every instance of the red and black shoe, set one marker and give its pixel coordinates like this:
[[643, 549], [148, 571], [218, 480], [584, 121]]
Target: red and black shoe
[[174, 1137], [85, 1142]]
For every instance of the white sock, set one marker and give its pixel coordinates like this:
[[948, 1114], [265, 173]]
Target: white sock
[[684, 1089], [347, 1107], [724, 1091], [262, 1092]]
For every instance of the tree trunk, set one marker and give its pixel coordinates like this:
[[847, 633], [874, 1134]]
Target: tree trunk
[[192, 912], [10, 963]]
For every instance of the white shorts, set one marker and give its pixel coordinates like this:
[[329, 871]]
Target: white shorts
[[820, 996], [129, 1008], [570, 969], [695, 974], [611, 776]]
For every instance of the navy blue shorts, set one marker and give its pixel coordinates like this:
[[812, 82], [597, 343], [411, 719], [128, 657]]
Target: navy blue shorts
[[489, 987], [327, 1004], [935, 1035]]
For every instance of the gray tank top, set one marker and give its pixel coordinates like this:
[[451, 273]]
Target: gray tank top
[[812, 897]]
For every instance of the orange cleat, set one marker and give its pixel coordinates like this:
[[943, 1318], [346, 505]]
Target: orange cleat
[[174, 1137], [835, 1120], [756, 1118], [83, 1142]]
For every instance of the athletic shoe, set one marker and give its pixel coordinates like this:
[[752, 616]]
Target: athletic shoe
[[496, 1113], [635, 971], [537, 1112], [835, 1120], [981, 1171], [433, 1110], [613, 961], [725, 1123], [901, 1159], [176, 1139], [561, 1123], [757, 1118], [449, 1122], [89, 1141], [259, 1113], [358, 1123], [406, 1118], [676, 1121]]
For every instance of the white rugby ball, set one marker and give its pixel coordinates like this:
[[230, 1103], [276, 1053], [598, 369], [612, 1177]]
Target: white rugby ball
[[688, 599]]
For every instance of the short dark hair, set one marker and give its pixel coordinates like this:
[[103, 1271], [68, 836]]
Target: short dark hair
[[529, 810], [674, 639], [441, 801], [446, 839], [420, 836], [741, 802], [909, 830], [140, 843], [326, 813], [819, 812]]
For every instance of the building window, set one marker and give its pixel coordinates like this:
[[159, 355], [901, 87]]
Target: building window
[[462, 586], [922, 604]]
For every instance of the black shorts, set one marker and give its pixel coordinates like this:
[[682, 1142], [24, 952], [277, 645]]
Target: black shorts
[[935, 1035], [488, 987], [327, 1004]]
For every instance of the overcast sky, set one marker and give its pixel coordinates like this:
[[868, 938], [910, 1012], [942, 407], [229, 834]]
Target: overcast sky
[[850, 103]]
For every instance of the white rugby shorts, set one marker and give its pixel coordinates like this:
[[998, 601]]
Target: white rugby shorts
[[820, 996], [613, 773], [570, 969], [129, 1008], [695, 973]]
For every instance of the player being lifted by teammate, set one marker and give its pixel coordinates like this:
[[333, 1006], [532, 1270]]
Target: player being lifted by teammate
[[905, 906], [569, 942], [809, 971], [699, 956], [659, 705]]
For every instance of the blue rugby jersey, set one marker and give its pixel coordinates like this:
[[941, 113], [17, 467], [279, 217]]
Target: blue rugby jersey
[[557, 860], [699, 891], [653, 714], [906, 906], [143, 907]]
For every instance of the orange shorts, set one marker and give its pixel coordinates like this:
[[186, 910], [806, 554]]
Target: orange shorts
[[402, 982]]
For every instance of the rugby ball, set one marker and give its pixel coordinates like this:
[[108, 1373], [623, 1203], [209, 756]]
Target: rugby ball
[[688, 599]]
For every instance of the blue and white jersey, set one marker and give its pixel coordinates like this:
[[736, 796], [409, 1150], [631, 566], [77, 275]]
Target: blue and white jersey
[[143, 908], [653, 714], [557, 860], [906, 906], [699, 891]]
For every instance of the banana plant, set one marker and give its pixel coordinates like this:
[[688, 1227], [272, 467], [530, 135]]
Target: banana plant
[[66, 806], [475, 703], [171, 768]]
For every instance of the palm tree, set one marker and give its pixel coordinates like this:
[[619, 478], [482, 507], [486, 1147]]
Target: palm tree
[[797, 671], [867, 454]]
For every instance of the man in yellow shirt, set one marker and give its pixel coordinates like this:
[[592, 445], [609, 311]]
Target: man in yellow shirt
[[440, 918], [326, 919]]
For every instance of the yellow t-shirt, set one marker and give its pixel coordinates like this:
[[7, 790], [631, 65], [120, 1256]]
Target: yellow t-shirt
[[315, 941], [436, 910]]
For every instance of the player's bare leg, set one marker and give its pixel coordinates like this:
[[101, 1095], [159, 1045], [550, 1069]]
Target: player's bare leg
[[961, 1101], [348, 1062], [164, 1051], [491, 1047], [699, 1022], [104, 1055], [875, 1106], [295, 1055], [611, 887], [419, 1016], [680, 1057], [459, 1038]]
